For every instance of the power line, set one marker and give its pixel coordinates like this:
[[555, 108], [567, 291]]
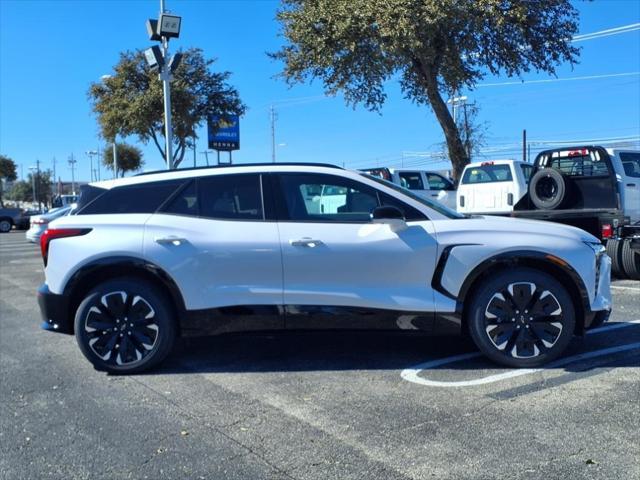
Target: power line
[[551, 80], [606, 33]]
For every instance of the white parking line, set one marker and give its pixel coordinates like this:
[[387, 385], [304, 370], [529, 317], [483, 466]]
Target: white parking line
[[620, 287], [412, 374]]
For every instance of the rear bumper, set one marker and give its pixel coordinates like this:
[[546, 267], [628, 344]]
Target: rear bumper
[[54, 310]]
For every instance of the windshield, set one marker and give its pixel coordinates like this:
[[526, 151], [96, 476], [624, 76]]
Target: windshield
[[438, 207]]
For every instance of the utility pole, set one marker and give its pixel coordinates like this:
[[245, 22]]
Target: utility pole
[[272, 115], [38, 184], [54, 169], [72, 164], [206, 156], [524, 145], [90, 154]]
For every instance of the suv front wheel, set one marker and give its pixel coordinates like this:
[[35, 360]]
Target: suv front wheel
[[521, 318], [124, 326]]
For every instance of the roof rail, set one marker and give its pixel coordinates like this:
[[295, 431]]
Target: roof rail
[[260, 164]]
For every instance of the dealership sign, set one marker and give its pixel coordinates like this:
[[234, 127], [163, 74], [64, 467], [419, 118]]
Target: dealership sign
[[224, 132]]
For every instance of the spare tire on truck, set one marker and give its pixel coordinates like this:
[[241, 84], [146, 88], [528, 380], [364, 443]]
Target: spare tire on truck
[[547, 189]]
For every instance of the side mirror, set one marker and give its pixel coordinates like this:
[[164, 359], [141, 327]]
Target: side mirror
[[391, 216]]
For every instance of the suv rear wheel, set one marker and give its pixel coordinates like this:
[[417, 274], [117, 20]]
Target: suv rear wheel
[[521, 318], [124, 326]]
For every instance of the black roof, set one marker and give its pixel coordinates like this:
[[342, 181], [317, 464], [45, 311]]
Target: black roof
[[261, 164]]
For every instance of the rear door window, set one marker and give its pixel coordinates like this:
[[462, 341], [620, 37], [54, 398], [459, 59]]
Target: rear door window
[[231, 197], [631, 163], [487, 174], [411, 180], [436, 182]]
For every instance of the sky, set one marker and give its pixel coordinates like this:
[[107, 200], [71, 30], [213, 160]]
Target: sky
[[51, 51]]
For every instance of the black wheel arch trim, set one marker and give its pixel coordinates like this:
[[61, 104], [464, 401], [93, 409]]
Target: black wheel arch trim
[[125, 264], [528, 258]]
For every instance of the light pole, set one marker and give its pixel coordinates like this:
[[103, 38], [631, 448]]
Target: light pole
[[90, 154], [454, 102], [72, 163], [166, 27], [33, 183]]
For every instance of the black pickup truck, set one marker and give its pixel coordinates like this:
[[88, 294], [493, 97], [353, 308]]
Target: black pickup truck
[[581, 186]]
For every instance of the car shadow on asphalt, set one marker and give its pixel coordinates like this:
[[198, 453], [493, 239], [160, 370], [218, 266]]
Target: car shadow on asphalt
[[348, 350]]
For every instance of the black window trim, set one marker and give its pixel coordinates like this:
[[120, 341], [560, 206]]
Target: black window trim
[[282, 212], [203, 217], [118, 188]]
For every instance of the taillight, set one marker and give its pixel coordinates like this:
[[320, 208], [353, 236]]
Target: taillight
[[607, 230], [53, 233]]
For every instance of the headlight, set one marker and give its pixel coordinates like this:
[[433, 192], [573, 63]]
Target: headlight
[[597, 247]]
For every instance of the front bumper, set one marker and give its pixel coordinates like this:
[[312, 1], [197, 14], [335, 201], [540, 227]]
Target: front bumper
[[54, 310], [602, 302]]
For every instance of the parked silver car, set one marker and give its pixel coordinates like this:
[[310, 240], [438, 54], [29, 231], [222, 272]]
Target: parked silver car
[[39, 223]]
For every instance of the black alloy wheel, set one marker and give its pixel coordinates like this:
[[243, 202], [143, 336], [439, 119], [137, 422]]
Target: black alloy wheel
[[124, 327], [5, 225], [522, 318]]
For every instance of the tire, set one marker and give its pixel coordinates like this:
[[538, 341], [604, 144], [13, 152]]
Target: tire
[[521, 318], [124, 326], [547, 189], [614, 250], [5, 225], [630, 260]]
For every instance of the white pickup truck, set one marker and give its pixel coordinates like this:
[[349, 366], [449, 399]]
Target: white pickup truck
[[427, 184], [492, 187]]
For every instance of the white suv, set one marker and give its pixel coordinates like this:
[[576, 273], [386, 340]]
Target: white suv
[[260, 247]]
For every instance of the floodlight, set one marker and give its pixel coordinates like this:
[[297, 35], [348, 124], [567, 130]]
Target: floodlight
[[175, 62], [154, 58], [169, 26], [152, 29]]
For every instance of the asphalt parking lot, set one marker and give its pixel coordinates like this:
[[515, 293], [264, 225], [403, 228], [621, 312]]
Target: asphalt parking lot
[[313, 405]]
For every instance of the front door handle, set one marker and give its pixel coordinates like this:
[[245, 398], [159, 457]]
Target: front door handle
[[170, 240], [305, 242]]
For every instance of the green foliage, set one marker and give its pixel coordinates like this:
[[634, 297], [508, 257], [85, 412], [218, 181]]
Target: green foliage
[[23, 190], [129, 158], [131, 102], [433, 47], [7, 173]]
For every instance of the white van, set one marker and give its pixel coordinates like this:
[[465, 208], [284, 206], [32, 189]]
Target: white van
[[427, 184], [492, 187]]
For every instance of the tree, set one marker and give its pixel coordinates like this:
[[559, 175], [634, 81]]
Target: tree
[[23, 191], [7, 173], [131, 102], [472, 131], [129, 158], [434, 47]]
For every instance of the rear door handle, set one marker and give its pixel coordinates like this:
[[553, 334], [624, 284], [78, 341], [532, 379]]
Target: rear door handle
[[305, 242], [170, 240]]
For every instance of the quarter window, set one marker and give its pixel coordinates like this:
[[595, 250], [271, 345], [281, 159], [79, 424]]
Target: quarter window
[[138, 198]]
